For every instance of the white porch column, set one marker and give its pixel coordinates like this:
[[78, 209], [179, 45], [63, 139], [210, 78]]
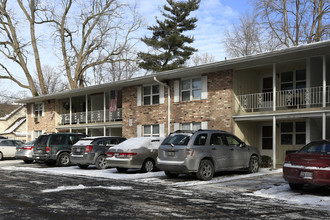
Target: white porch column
[[324, 126], [86, 130], [104, 131], [86, 112], [274, 87], [274, 142], [324, 82], [104, 108], [70, 110]]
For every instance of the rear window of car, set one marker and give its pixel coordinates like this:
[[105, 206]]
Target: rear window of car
[[177, 139], [57, 139], [85, 142], [317, 147], [42, 140]]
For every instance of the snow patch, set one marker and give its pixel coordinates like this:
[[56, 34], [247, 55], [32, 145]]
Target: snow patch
[[80, 187]]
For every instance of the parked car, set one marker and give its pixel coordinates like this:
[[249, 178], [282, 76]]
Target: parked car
[[93, 150], [134, 153], [8, 147], [25, 152], [55, 148], [205, 152], [310, 165]]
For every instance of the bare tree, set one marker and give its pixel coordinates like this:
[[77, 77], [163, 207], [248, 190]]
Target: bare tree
[[87, 34], [246, 37], [295, 22], [53, 80], [201, 58]]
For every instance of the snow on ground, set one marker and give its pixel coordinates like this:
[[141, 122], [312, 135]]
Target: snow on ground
[[272, 190], [80, 187]]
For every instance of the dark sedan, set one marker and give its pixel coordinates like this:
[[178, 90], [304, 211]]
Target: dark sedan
[[310, 165], [92, 150]]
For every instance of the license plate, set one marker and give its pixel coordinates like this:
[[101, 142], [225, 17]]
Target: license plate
[[171, 153], [306, 175], [78, 150]]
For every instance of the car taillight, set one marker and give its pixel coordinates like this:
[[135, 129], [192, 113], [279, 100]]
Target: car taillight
[[287, 159], [88, 148], [27, 148], [190, 152], [110, 154], [127, 154], [47, 149]]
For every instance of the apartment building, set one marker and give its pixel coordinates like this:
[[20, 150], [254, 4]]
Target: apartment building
[[277, 101]]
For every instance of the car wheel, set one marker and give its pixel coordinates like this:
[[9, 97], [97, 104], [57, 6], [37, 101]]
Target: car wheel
[[28, 161], [148, 166], [121, 170], [100, 162], [63, 159], [205, 170], [253, 165], [296, 186], [83, 166], [1, 156], [171, 175]]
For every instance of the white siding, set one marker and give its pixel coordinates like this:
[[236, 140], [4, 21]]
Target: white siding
[[161, 94], [139, 96], [204, 87], [176, 91]]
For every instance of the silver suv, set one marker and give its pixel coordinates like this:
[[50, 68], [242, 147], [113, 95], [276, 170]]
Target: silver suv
[[205, 152]]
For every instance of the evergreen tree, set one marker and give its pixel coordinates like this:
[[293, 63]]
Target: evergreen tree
[[168, 40]]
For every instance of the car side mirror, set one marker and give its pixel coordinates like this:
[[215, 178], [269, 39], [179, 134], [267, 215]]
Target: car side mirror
[[242, 145]]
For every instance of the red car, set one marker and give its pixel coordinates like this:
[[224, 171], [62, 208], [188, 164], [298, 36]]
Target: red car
[[310, 165]]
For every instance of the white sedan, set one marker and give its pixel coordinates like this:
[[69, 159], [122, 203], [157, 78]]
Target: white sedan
[[8, 147]]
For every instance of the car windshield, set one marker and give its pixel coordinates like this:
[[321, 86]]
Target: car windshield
[[177, 139], [317, 147]]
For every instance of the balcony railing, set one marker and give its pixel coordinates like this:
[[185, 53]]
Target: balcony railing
[[285, 99], [92, 117]]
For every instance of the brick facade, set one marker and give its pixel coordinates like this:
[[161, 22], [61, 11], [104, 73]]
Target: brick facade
[[216, 109], [45, 123]]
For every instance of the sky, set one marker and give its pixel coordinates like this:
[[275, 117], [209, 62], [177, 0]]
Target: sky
[[214, 16]]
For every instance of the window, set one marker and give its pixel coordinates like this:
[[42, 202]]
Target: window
[[232, 141], [38, 109], [58, 139], [37, 134], [191, 126], [267, 137], [293, 133], [293, 80], [201, 139], [151, 95], [151, 131], [216, 139], [191, 89]]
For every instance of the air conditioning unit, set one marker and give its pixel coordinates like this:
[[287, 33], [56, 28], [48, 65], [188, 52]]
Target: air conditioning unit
[[36, 120]]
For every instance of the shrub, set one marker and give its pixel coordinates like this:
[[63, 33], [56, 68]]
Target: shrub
[[266, 161]]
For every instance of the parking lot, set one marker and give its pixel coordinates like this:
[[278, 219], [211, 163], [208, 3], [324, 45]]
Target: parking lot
[[39, 192]]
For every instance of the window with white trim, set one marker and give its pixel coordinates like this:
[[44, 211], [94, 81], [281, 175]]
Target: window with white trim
[[151, 131], [194, 126], [38, 109], [191, 89], [37, 134], [151, 95], [293, 80], [293, 133]]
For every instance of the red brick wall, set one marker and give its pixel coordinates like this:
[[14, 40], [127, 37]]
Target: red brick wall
[[45, 123], [216, 109]]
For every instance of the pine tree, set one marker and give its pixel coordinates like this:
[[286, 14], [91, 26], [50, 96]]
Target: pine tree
[[168, 41]]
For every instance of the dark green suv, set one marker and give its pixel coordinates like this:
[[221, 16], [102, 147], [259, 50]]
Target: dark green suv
[[55, 148]]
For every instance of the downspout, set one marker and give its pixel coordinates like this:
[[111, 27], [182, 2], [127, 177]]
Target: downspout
[[168, 105]]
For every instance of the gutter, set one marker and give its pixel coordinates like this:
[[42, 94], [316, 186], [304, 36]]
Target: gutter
[[168, 103]]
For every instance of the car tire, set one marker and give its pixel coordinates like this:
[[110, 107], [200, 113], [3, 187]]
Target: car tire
[[296, 186], [121, 170], [253, 165], [28, 161], [1, 156], [83, 166], [148, 166], [100, 162], [171, 175], [205, 170], [63, 159]]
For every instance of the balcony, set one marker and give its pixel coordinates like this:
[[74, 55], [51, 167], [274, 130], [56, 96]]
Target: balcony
[[99, 116], [285, 99]]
